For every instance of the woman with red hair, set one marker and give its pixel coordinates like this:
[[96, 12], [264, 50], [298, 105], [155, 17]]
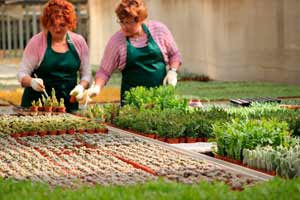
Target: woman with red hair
[[144, 51], [53, 57]]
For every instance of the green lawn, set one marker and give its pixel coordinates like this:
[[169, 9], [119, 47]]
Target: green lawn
[[275, 189], [226, 90]]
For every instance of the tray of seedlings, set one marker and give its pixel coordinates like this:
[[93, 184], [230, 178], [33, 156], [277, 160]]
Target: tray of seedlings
[[167, 162], [62, 160], [48, 125]]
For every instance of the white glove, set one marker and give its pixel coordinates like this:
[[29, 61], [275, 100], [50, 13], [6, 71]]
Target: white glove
[[77, 92], [37, 84], [94, 90], [171, 78]]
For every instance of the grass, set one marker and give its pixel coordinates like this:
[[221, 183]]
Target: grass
[[274, 189], [226, 90]]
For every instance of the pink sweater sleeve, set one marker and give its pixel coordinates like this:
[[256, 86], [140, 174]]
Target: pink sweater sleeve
[[32, 55], [114, 57], [167, 43], [116, 51]]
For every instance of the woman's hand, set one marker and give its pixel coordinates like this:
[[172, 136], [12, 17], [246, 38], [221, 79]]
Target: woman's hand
[[171, 78], [94, 90], [37, 84], [77, 92]]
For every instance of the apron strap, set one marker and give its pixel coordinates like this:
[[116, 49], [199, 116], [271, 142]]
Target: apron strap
[[69, 42], [72, 47]]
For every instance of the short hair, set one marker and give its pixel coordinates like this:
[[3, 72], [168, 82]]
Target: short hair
[[56, 10], [132, 9]]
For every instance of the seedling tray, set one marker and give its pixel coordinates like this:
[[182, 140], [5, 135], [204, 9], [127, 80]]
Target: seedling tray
[[248, 101]]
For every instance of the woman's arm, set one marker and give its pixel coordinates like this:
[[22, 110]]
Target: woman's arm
[[31, 59]]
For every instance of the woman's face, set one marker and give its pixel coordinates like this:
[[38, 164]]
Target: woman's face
[[130, 26], [58, 29]]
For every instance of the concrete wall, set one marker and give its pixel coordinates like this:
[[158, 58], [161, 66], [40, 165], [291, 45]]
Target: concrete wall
[[225, 39]]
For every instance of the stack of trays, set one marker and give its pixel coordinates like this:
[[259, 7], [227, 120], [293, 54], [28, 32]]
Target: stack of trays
[[248, 101]]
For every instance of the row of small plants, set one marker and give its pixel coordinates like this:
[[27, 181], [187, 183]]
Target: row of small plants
[[264, 144], [48, 104], [158, 112], [234, 136], [268, 111], [285, 161], [100, 113], [158, 98], [43, 125], [170, 123]]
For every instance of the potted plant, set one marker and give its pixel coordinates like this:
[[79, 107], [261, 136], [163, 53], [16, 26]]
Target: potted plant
[[48, 104], [55, 103], [34, 106], [80, 126], [99, 128], [90, 127], [61, 107], [40, 105], [14, 133], [70, 127], [43, 130], [52, 127]]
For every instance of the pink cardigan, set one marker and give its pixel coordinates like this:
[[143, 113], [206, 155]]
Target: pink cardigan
[[36, 48], [116, 50]]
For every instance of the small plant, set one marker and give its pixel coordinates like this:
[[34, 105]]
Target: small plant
[[53, 98], [61, 102]]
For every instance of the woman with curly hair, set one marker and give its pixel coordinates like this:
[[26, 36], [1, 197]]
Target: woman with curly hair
[[53, 57], [144, 51]]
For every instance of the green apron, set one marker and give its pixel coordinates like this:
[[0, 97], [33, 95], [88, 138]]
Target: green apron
[[144, 66], [58, 71]]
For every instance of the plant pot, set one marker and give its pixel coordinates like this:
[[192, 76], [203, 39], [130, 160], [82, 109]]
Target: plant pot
[[15, 135], [24, 134], [42, 133], [81, 131], [61, 132], [205, 139], [48, 108], [72, 99], [55, 109], [182, 140], [162, 139], [53, 132], [150, 135], [199, 139], [90, 131], [101, 130], [40, 108], [61, 109], [172, 140], [71, 131], [195, 103], [191, 140], [34, 108], [32, 133]]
